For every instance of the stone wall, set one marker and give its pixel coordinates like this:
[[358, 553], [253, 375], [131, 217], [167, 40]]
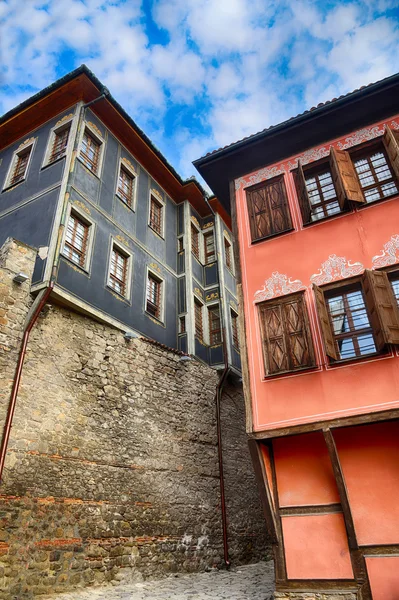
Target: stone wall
[[331, 595], [112, 471]]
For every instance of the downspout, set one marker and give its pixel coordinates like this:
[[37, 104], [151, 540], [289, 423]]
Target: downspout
[[40, 302], [218, 399]]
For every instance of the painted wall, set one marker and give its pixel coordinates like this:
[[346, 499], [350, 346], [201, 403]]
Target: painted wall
[[341, 246]]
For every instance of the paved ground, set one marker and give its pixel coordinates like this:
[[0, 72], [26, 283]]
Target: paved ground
[[252, 582]]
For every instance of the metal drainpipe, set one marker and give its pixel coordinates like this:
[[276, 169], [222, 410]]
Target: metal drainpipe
[[35, 316], [218, 398]]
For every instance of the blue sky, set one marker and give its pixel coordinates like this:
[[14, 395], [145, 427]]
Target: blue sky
[[200, 74]]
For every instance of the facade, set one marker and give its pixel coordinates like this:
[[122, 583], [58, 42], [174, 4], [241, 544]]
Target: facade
[[122, 237], [315, 207]]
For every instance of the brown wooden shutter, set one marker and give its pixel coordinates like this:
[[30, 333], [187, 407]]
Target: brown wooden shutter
[[279, 208], [344, 177], [382, 308], [325, 323], [303, 196], [391, 143], [275, 351], [298, 342]]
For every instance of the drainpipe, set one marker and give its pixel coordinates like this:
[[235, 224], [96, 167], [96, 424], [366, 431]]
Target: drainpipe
[[218, 399], [18, 373]]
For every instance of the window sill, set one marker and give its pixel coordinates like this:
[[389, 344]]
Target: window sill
[[88, 169], [379, 201], [272, 236], [156, 319], [74, 264], [53, 162], [117, 294], [327, 219], [357, 359], [303, 370], [156, 232], [125, 204], [13, 185]]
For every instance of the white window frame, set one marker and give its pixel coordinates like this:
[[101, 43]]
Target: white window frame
[[200, 259], [124, 163], [161, 279], [30, 143], [205, 326], [232, 310], [204, 232], [72, 208], [58, 127], [158, 197], [96, 134], [114, 243], [230, 242], [208, 332]]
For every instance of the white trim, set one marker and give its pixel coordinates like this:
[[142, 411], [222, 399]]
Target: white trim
[[27, 144], [200, 241], [156, 275], [227, 238], [81, 215], [158, 198], [129, 168], [114, 243], [65, 122], [97, 135]]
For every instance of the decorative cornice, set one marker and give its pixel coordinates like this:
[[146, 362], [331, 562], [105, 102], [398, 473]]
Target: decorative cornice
[[195, 221], [64, 118], [389, 254], [212, 296], [154, 267], [198, 292], [157, 194], [210, 224], [335, 268], [129, 165], [82, 206], [26, 142], [123, 240], [95, 129], [278, 285]]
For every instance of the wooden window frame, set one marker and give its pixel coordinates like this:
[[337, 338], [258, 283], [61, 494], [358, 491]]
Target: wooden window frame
[[128, 200], [182, 325], [381, 307], [208, 255], [228, 253], [280, 179], [158, 306], [87, 252], [235, 333], [195, 247], [22, 150], [119, 249], [215, 334], [49, 157], [286, 336], [198, 325], [180, 245], [158, 228], [86, 129]]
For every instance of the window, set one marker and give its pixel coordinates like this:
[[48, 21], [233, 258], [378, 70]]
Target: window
[[227, 254], [60, 143], [19, 166], [195, 242], [316, 193], [125, 190], [209, 248], [90, 151], [376, 178], [358, 318], [268, 209], [199, 332], [182, 324], [180, 246], [394, 279], [117, 279], [215, 330], [76, 240], [153, 300], [287, 344], [234, 329], [156, 209]]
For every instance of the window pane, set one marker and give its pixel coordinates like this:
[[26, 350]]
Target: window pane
[[322, 195], [76, 240], [375, 176], [60, 144]]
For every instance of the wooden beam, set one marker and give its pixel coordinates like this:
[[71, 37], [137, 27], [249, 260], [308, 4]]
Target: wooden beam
[[325, 509], [264, 489]]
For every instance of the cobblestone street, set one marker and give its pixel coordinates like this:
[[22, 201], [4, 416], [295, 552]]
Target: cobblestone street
[[251, 582]]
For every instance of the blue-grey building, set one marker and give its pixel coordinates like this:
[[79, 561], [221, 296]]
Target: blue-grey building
[[119, 234]]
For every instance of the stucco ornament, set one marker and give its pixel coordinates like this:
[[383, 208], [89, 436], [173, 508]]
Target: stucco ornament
[[389, 254], [334, 268], [261, 175], [278, 285]]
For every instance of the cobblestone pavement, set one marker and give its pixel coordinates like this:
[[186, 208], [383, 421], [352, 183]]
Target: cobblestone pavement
[[251, 582]]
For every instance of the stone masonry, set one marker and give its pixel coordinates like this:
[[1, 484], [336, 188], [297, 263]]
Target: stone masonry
[[111, 471]]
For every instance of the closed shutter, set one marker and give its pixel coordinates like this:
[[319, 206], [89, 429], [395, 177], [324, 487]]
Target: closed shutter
[[268, 209], [303, 196], [300, 351], [325, 323], [344, 177], [258, 214], [382, 307], [275, 351], [278, 201], [391, 143]]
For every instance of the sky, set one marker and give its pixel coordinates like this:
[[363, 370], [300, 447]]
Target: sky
[[196, 75]]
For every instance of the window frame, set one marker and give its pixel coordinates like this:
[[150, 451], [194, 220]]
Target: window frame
[[121, 249], [212, 332], [235, 330], [131, 172], [81, 216], [196, 254], [288, 216], [26, 146], [200, 305], [151, 274], [209, 233], [95, 133], [313, 169], [155, 195], [229, 264], [182, 325], [58, 128]]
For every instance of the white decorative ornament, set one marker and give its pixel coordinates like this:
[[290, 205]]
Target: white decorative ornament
[[394, 125], [278, 285], [389, 254], [363, 135], [309, 156], [259, 176], [334, 268]]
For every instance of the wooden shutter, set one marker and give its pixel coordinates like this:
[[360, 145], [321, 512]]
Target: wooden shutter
[[325, 323], [275, 351], [382, 308], [300, 351], [268, 209], [280, 213], [303, 196], [344, 177], [391, 143]]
